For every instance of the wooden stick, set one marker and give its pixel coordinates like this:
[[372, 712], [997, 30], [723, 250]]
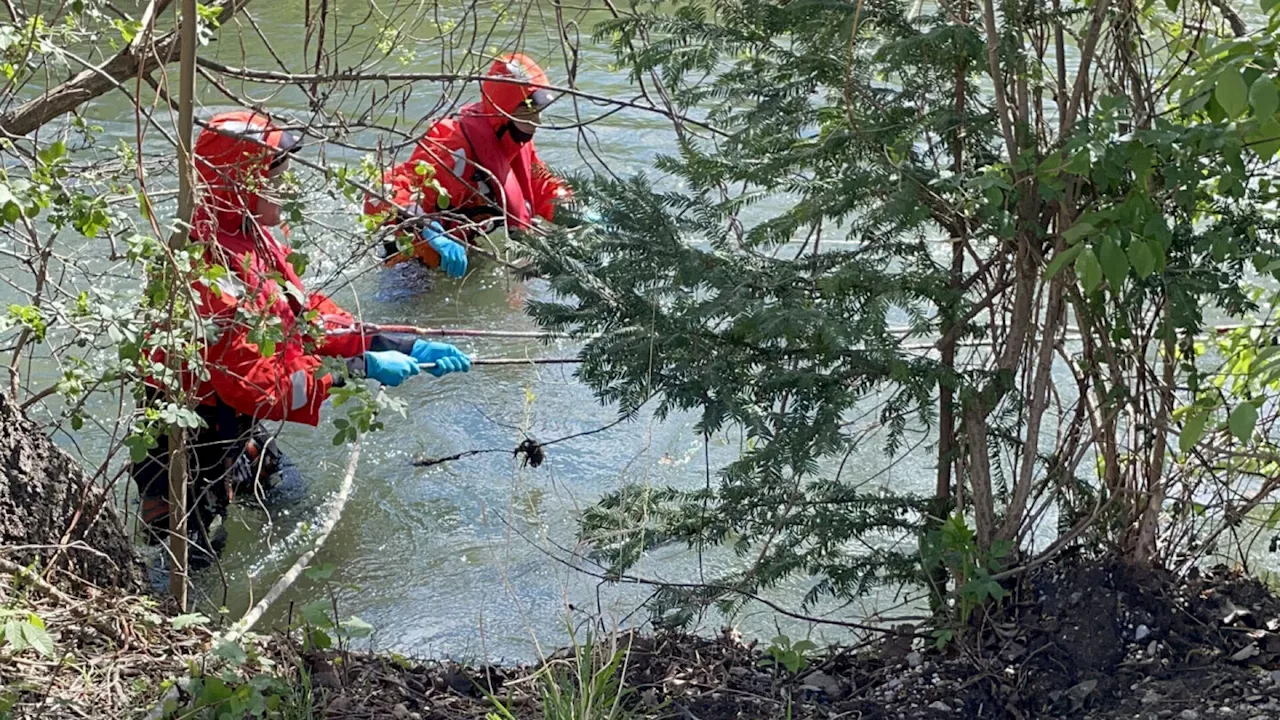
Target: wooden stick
[[178, 469], [284, 581]]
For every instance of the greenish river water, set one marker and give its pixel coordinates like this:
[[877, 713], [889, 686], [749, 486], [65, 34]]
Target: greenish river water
[[457, 559]]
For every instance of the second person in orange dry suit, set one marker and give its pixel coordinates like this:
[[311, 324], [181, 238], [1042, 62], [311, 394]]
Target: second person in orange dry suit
[[484, 160]]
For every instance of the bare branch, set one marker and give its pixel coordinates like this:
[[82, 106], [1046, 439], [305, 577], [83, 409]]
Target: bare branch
[[91, 83]]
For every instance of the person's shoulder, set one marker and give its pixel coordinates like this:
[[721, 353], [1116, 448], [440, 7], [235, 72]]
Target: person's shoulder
[[446, 127]]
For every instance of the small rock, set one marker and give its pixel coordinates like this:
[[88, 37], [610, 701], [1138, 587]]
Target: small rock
[[1141, 633], [915, 659], [822, 682], [1152, 648], [1151, 697], [1188, 715], [1275, 676], [1226, 711], [327, 680], [940, 706], [1245, 653], [1080, 692], [400, 712], [1012, 652]]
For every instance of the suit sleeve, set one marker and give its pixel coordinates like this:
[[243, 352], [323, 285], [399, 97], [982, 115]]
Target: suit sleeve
[[548, 190], [343, 336], [443, 158]]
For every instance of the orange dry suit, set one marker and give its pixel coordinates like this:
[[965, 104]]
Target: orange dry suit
[[480, 160]]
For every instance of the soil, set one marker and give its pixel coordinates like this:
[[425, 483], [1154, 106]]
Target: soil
[[52, 515], [1075, 641]]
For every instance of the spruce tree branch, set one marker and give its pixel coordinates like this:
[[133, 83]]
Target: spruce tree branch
[[628, 579]]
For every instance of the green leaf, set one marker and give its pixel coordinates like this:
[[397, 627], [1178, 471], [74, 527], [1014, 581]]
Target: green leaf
[[1274, 518], [995, 197], [1141, 258], [1242, 421], [37, 638], [1074, 233], [1231, 92], [1051, 165], [317, 613], [1192, 431], [231, 652], [1080, 163], [325, 571], [1114, 263], [182, 622], [52, 152], [1269, 5], [804, 646], [1088, 270], [319, 639], [1263, 97], [356, 628], [1265, 140], [299, 261], [13, 635], [1061, 260]]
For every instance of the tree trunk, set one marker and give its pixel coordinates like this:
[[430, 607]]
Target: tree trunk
[[47, 502]]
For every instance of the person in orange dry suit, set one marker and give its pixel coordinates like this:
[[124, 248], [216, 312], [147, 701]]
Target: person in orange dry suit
[[240, 157], [484, 161]]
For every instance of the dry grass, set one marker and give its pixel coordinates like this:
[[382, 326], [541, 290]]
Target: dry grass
[[112, 653]]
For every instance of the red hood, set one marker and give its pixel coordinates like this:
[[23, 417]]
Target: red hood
[[498, 100], [233, 155]]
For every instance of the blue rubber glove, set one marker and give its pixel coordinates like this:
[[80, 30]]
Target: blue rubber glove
[[446, 357], [389, 367], [453, 256]]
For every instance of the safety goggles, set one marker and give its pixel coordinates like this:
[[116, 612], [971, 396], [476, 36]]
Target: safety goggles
[[539, 99]]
